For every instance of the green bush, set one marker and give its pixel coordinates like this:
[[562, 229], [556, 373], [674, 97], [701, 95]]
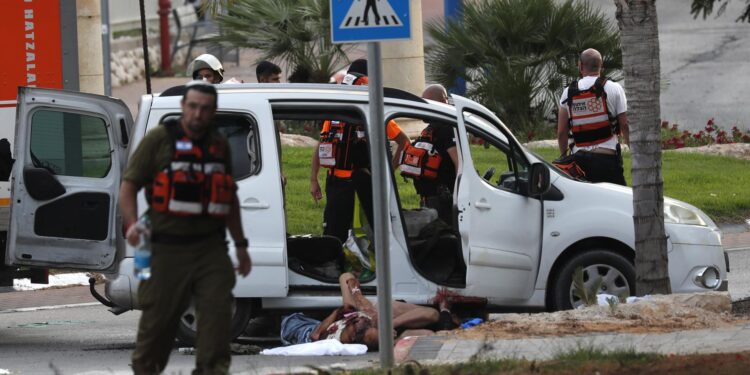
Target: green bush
[[296, 32]]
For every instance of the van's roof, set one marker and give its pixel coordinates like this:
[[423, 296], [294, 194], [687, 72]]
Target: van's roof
[[319, 92]]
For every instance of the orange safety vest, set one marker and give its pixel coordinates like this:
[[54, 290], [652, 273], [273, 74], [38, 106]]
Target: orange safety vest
[[590, 121], [355, 79], [420, 159], [196, 181], [342, 147]]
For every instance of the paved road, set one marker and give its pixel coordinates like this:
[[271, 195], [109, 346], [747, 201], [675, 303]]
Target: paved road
[[739, 275], [703, 64], [90, 340]]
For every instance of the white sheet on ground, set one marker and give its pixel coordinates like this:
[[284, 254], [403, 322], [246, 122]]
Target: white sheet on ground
[[323, 347]]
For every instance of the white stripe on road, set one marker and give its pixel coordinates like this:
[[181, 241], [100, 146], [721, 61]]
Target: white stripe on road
[[28, 309]]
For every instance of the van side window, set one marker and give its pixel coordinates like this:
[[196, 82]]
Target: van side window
[[70, 144], [496, 162], [242, 132]]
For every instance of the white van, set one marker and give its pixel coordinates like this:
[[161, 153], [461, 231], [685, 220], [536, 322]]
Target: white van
[[510, 247]]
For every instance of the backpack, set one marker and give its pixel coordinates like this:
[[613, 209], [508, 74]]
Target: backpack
[[420, 159]]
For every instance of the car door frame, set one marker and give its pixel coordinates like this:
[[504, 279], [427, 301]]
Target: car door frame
[[24, 246], [514, 273], [393, 111]]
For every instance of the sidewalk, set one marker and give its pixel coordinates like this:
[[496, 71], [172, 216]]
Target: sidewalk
[[736, 236], [442, 349], [58, 296]]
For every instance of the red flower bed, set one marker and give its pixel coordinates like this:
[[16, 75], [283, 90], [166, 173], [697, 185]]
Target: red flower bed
[[672, 138]]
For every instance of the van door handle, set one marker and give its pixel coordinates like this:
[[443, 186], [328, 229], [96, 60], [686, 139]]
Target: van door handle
[[482, 204], [254, 204]]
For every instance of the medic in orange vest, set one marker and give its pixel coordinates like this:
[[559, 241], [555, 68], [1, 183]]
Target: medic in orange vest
[[594, 110], [342, 149]]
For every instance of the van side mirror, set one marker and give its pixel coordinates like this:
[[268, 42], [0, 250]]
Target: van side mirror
[[539, 182]]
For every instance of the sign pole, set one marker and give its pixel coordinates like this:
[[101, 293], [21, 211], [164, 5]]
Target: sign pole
[[354, 21], [380, 196]]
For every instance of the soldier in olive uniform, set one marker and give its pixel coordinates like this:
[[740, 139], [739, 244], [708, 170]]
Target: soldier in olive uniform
[[184, 165]]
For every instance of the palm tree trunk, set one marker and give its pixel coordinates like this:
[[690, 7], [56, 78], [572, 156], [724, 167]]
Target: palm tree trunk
[[639, 38]]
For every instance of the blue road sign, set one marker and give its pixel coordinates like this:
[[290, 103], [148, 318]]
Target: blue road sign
[[369, 20]]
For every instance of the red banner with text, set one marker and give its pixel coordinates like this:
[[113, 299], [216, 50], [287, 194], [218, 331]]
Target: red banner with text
[[33, 50]]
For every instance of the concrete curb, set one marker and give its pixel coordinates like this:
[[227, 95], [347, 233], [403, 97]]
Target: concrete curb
[[445, 350]]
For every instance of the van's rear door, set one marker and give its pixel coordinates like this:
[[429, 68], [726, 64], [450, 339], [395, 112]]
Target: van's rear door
[[70, 149]]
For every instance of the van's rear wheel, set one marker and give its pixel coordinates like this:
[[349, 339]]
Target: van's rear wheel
[[188, 327], [616, 272]]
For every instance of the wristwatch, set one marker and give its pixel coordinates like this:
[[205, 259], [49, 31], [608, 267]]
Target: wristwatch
[[241, 243]]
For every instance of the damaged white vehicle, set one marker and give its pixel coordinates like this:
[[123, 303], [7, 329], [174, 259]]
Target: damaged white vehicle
[[515, 243]]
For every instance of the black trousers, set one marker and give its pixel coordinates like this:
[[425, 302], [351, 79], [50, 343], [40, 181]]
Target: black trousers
[[601, 167], [339, 210], [442, 201]]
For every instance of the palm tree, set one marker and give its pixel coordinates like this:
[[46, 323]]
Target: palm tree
[[639, 35], [295, 32], [517, 55]]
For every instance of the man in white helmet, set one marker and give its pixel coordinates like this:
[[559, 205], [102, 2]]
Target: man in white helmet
[[206, 67]]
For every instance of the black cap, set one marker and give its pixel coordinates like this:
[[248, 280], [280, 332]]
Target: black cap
[[358, 66]]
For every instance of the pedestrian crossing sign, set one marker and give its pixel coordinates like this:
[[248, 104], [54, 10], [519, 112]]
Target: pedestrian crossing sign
[[355, 21]]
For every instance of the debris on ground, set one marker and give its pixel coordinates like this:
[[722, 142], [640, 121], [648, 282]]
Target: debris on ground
[[660, 313]]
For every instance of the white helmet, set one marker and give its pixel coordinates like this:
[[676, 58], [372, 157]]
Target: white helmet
[[206, 61]]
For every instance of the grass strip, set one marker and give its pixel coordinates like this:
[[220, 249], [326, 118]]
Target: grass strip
[[715, 184]]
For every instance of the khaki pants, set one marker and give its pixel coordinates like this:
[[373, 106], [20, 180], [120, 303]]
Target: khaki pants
[[179, 273]]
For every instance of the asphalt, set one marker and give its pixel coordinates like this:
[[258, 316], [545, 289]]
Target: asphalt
[[449, 349]]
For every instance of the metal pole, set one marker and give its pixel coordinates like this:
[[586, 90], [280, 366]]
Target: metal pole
[[144, 38], [106, 49], [381, 216], [166, 57], [453, 10]]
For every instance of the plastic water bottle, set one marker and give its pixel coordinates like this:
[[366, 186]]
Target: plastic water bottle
[[142, 256]]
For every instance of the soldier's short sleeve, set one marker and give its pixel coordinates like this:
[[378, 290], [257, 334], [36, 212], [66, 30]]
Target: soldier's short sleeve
[[142, 165]]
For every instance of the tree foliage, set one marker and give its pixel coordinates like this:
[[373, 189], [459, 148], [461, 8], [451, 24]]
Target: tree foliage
[[517, 55], [706, 7], [295, 32]]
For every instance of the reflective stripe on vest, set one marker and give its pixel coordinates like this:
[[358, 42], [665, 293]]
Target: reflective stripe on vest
[[589, 117], [187, 208], [218, 209]]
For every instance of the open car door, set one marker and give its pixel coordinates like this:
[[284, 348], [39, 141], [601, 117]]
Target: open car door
[[500, 225], [70, 149]]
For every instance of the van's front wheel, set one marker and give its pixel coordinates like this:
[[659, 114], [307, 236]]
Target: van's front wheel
[[188, 327], [617, 275]]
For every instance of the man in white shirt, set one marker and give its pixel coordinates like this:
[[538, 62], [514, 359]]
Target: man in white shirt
[[594, 110]]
